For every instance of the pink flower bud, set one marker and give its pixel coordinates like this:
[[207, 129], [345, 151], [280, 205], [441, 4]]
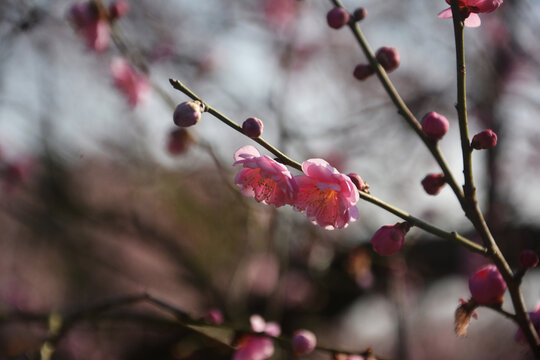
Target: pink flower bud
[[363, 71], [433, 183], [485, 139], [303, 342], [253, 127], [435, 125], [118, 9], [389, 239], [187, 113], [214, 316], [337, 17], [528, 259], [389, 58], [359, 14], [487, 286], [357, 180], [179, 141]]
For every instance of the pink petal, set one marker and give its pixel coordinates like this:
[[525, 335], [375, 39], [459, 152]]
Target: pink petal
[[257, 323], [319, 169], [246, 152], [445, 14], [272, 329], [473, 21]]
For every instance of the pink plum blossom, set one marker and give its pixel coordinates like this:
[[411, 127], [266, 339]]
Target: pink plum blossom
[[91, 25], [133, 85], [253, 347], [326, 196], [263, 178], [470, 9]]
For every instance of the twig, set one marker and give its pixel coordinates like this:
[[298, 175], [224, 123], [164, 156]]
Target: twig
[[286, 160]]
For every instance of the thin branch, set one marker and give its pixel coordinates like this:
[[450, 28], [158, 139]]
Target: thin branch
[[402, 108], [284, 158], [288, 161], [472, 211]]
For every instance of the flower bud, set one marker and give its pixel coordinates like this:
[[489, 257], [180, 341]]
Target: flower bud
[[389, 58], [528, 259], [433, 183], [363, 71], [253, 127], [358, 182], [118, 9], [435, 125], [187, 113], [337, 18], [487, 286], [485, 139], [179, 141], [214, 316], [389, 239], [303, 342], [359, 14]]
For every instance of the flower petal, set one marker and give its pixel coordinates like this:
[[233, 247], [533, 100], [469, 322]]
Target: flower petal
[[445, 14], [473, 21]]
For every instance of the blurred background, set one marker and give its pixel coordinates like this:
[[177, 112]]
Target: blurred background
[[102, 197]]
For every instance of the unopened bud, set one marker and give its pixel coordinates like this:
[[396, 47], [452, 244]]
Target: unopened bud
[[337, 18], [358, 182], [253, 127], [485, 139], [187, 113], [179, 141], [214, 316], [433, 183], [363, 71], [359, 14], [303, 342], [435, 125], [487, 285], [389, 239], [118, 9], [389, 58], [528, 259]]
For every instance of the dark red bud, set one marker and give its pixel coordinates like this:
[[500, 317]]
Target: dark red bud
[[337, 18], [485, 139], [528, 259], [389, 58], [433, 183], [359, 14], [253, 127], [363, 71]]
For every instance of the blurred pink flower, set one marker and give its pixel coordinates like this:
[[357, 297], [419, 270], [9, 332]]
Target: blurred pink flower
[[93, 27], [252, 347], [469, 10], [214, 316], [280, 13], [326, 196], [133, 85], [535, 319], [263, 178]]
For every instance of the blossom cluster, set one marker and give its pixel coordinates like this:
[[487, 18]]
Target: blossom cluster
[[327, 197]]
